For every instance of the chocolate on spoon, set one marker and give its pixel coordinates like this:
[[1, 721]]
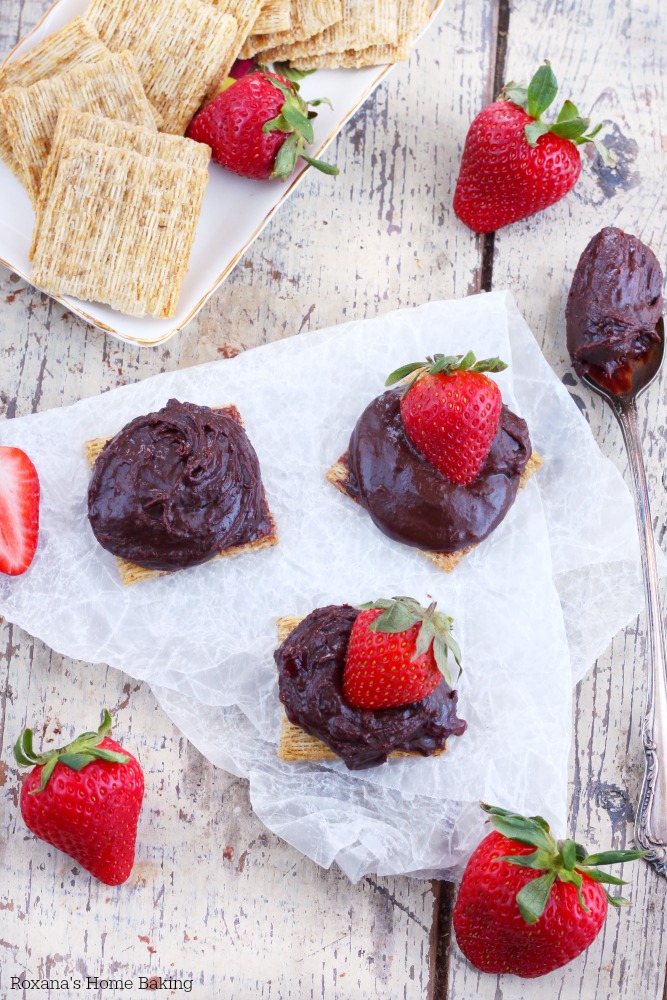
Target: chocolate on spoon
[[616, 340]]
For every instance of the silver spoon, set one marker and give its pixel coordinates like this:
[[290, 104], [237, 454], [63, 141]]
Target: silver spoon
[[651, 819]]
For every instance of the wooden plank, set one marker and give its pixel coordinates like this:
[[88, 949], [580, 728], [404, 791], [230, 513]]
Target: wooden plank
[[611, 61], [214, 894]]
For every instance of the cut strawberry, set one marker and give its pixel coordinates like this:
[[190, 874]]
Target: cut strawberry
[[19, 511]]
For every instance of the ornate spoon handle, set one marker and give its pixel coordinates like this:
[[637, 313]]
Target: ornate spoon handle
[[651, 821]]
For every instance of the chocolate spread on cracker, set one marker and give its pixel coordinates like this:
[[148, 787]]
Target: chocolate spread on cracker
[[310, 680], [176, 487], [614, 305], [412, 501]]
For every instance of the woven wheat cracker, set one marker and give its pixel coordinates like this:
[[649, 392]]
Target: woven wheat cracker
[[362, 25], [295, 744], [413, 15], [339, 476], [275, 15], [74, 124], [118, 228], [77, 42], [129, 572], [181, 47], [309, 17], [110, 87]]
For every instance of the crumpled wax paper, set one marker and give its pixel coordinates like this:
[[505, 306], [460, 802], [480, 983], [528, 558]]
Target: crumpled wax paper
[[533, 605]]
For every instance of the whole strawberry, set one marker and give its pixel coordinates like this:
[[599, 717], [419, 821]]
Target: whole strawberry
[[84, 799], [529, 904], [451, 411], [258, 127], [513, 163], [19, 511], [397, 653]]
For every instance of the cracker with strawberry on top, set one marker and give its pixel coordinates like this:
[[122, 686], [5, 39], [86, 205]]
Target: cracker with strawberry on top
[[367, 683], [438, 459]]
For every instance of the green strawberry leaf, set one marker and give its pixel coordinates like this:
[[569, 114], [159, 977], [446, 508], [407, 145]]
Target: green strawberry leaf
[[320, 100], [77, 761], [23, 751], [524, 829], [325, 168], [47, 771], [539, 860], [425, 637], [535, 131], [568, 112], [570, 129], [612, 857], [403, 372], [286, 158], [517, 93], [278, 124], [575, 878], [597, 876], [542, 90], [568, 852], [290, 73], [533, 898], [299, 122], [617, 901], [397, 618]]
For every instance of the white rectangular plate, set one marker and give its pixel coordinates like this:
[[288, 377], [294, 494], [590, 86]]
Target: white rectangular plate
[[234, 212]]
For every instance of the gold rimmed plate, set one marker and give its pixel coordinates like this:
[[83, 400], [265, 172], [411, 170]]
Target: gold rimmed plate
[[234, 212]]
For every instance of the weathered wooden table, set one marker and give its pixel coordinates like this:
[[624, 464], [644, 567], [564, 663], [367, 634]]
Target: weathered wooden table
[[214, 896]]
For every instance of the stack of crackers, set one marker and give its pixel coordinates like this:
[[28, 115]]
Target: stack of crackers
[[324, 34], [92, 122]]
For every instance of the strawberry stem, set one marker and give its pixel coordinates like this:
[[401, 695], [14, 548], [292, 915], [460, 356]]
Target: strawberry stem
[[401, 613], [76, 755], [447, 364], [537, 97], [294, 120], [564, 860]]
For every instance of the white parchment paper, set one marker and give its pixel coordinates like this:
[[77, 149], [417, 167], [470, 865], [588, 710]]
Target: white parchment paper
[[533, 605]]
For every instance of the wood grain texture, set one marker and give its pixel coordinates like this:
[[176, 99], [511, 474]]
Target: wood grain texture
[[213, 894], [611, 60]]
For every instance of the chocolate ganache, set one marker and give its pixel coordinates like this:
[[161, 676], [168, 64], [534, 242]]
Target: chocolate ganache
[[310, 681], [412, 501], [176, 487], [614, 305]]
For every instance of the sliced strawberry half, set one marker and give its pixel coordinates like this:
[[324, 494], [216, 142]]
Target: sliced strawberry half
[[19, 511]]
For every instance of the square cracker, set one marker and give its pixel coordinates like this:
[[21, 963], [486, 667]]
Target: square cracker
[[77, 42], [275, 15], [339, 476], [110, 87], [295, 744], [308, 18], [181, 47], [118, 228], [362, 24], [131, 573], [73, 124], [413, 15]]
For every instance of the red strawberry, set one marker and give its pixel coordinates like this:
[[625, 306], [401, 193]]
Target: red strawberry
[[258, 127], [513, 163], [451, 411], [397, 653], [85, 799], [19, 511], [529, 904]]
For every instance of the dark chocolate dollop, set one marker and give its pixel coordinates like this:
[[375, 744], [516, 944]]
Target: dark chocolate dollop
[[412, 501], [614, 305], [310, 681], [176, 487]]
